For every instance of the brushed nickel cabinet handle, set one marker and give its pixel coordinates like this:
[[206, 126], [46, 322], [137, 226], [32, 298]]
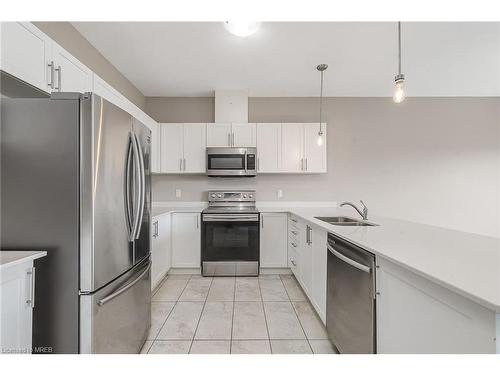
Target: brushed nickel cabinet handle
[[51, 83]]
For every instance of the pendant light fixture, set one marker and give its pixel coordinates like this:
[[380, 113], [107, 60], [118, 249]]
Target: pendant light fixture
[[321, 68], [399, 92]]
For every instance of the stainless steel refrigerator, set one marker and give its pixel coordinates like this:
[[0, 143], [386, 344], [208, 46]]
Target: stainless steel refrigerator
[[75, 181]]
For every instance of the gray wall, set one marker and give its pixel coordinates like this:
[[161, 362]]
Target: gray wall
[[71, 40], [429, 160]]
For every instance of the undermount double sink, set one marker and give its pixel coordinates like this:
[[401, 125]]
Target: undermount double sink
[[345, 221]]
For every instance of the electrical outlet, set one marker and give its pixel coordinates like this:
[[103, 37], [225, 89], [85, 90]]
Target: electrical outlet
[[280, 193], [178, 193]]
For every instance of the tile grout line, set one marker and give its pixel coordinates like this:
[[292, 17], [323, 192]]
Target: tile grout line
[[201, 314], [173, 307], [265, 317], [297, 315]]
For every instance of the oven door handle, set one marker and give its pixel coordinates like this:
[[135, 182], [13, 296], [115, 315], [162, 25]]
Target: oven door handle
[[229, 217]]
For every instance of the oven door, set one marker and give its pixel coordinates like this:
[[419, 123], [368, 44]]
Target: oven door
[[230, 244], [226, 161]]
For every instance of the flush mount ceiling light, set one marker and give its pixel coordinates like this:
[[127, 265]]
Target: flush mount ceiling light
[[399, 92], [321, 68], [241, 28]]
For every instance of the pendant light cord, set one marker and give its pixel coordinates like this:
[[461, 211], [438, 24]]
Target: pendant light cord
[[399, 48], [321, 102]]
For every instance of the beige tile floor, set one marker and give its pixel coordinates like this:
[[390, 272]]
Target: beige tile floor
[[268, 314]]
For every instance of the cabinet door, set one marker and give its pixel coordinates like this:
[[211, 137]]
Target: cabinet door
[[186, 240], [25, 53], [319, 261], [156, 256], [244, 135], [155, 147], [195, 140], [268, 147], [165, 234], [70, 74], [160, 248], [16, 308], [306, 267], [314, 155], [218, 135], [171, 143], [291, 147], [273, 240]]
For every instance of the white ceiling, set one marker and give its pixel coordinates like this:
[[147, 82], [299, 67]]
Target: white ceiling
[[194, 58]]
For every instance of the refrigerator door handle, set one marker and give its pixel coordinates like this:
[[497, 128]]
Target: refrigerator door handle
[[142, 187], [123, 289], [137, 185], [128, 206]]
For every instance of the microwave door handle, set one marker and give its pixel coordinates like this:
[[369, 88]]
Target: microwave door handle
[[246, 159]]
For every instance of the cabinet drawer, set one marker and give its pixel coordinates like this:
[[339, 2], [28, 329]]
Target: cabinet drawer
[[293, 260]]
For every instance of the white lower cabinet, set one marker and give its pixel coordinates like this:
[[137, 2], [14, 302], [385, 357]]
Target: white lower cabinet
[[161, 248], [17, 299], [186, 240], [273, 240], [319, 262], [307, 257], [415, 315]]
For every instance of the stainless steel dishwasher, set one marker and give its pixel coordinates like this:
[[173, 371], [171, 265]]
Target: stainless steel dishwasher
[[350, 312]]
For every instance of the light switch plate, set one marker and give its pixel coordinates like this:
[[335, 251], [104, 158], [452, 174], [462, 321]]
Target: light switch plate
[[280, 193], [178, 193]]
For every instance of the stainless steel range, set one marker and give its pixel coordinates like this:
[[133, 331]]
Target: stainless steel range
[[230, 234]]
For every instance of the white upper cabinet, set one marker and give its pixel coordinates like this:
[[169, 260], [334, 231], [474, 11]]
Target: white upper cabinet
[[300, 152], [219, 135], [195, 139], [231, 135], [171, 144], [155, 148], [292, 135], [183, 148], [269, 148], [25, 53], [314, 155], [243, 135], [69, 75]]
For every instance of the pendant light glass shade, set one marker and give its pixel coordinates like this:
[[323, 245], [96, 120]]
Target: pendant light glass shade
[[399, 92]]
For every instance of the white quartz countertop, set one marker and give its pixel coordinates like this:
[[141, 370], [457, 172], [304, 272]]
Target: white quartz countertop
[[12, 258], [466, 263], [160, 210]]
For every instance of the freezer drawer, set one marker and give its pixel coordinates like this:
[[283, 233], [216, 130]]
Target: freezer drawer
[[117, 318]]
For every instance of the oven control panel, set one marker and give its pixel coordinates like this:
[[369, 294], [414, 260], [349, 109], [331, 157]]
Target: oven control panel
[[231, 196]]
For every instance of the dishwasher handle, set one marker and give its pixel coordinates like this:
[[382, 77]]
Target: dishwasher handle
[[349, 261]]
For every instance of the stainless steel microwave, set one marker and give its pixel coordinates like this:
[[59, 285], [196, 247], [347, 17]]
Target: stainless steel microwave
[[231, 161]]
